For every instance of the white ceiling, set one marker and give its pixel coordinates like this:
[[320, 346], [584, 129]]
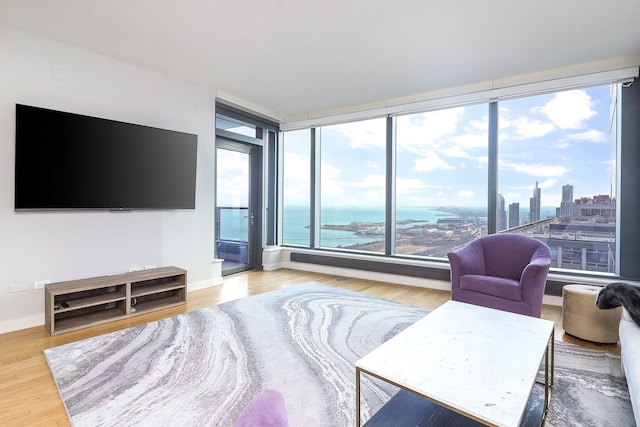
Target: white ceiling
[[300, 57]]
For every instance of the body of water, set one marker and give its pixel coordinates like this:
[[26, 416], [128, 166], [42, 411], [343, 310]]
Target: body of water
[[296, 222]]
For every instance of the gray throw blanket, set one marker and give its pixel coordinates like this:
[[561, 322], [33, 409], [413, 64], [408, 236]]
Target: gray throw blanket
[[616, 294]]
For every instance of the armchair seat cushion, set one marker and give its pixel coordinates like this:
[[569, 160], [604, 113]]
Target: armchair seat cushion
[[495, 286]]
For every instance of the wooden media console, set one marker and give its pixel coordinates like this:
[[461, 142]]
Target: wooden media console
[[82, 303]]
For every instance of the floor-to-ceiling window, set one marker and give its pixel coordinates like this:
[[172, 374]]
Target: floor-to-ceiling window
[[352, 185], [296, 187], [441, 174], [556, 174], [549, 172]]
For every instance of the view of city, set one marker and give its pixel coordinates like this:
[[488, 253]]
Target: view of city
[[556, 169]]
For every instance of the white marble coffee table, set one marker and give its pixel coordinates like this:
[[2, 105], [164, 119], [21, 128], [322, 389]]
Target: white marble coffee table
[[478, 362]]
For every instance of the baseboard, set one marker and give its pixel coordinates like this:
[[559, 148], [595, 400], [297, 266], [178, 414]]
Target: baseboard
[[552, 300], [274, 266], [204, 284], [13, 325], [371, 275]]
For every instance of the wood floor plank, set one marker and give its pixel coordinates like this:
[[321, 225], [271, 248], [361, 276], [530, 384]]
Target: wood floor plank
[[29, 396]]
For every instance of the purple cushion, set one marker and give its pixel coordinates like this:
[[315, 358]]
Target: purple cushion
[[506, 255], [496, 286], [265, 410]]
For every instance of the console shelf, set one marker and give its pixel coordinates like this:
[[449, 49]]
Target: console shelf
[[82, 303]]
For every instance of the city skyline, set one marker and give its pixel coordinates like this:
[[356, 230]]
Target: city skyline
[[556, 139], [565, 209]]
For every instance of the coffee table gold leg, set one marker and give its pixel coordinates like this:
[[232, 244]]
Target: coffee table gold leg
[[357, 397], [549, 359], [553, 351]]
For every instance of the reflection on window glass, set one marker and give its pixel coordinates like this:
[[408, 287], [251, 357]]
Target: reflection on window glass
[[296, 187], [233, 224], [235, 126], [555, 174], [232, 196], [441, 176], [352, 185]]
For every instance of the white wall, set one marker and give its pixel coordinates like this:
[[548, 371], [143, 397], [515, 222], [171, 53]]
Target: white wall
[[70, 245]]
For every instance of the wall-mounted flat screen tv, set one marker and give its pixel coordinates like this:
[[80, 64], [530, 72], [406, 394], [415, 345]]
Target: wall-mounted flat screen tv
[[68, 161]]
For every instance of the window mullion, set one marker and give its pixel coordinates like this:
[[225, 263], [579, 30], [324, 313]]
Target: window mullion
[[492, 171], [390, 188], [314, 228]]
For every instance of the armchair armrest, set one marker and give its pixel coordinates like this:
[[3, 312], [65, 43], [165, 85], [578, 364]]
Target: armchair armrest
[[534, 277], [466, 260]]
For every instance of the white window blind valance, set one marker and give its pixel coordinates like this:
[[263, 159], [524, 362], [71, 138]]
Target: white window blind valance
[[395, 108]]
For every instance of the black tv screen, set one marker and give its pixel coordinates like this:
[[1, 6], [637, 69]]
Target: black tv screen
[[70, 161]]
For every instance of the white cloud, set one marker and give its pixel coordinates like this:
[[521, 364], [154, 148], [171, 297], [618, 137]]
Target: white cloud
[[332, 187], [591, 135], [409, 185], [526, 128], [547, 183], [370, 181], [480, 125], [412, 184], [296, 167], [456, 151], [465, 194], [338, 191], [229, 191], [504, 121], [512, 196], [540, 169], [467, 141], [296, 179], [430, 162], [233, 179], [364, 134], [424, 132], [414, 191], [569, 110], [561, 143]]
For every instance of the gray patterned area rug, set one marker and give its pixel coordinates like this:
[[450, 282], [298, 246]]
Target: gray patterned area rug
[[201, 368]]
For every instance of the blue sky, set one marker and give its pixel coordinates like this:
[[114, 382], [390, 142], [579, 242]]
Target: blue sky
[[554, 139]]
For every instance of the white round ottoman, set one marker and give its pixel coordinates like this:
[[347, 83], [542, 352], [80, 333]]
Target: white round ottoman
[[581, 318]]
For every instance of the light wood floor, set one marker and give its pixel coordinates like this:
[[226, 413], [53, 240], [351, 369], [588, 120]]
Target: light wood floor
[[28, 394]]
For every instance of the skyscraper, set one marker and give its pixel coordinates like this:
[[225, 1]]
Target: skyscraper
[[534, 205], [566, 205], [514, 215], [501, 213]]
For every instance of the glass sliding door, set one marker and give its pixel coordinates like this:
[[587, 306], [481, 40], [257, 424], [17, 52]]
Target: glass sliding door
[[235, 214], [244, 199]]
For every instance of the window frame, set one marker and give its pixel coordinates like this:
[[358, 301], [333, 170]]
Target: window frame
[[620, 269]]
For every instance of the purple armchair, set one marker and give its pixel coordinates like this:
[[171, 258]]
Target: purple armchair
[[502, 271]]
